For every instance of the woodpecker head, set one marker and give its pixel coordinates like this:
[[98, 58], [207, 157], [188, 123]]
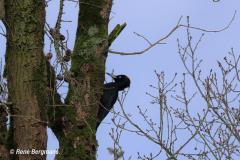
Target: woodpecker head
[[122, 81]]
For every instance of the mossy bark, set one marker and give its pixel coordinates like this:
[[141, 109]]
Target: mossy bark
[[4, 154], [76, 127], [26, 75], [2, 9]]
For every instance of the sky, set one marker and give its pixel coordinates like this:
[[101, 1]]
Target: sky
[[153, 19]]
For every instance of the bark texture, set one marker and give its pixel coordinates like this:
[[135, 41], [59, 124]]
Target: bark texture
[[2, 10], [26, 75], [4, 154], [75, 123]]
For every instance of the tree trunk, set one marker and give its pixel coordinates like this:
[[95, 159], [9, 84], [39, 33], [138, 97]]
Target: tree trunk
[[4, 153], [26, 76], [77, 130], [2, 10]]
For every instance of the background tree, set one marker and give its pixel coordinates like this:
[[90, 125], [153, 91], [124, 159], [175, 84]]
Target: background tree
[[212, 133]]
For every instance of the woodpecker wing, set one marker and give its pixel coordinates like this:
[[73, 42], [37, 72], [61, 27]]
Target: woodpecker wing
[[108, 99]]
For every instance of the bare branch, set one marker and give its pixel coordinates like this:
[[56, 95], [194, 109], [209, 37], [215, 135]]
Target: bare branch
[[178, 26]]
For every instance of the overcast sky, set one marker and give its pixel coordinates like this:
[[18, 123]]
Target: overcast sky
[[153, 19]]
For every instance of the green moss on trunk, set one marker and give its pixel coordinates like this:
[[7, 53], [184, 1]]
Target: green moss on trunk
[[26, 74], [76, 132]]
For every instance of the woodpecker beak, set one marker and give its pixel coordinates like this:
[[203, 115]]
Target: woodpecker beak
[[111, 75]]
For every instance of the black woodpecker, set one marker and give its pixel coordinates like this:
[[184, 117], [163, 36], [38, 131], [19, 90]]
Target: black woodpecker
[[110, 95]]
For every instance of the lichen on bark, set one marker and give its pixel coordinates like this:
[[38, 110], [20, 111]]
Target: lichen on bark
[[26, 75]]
